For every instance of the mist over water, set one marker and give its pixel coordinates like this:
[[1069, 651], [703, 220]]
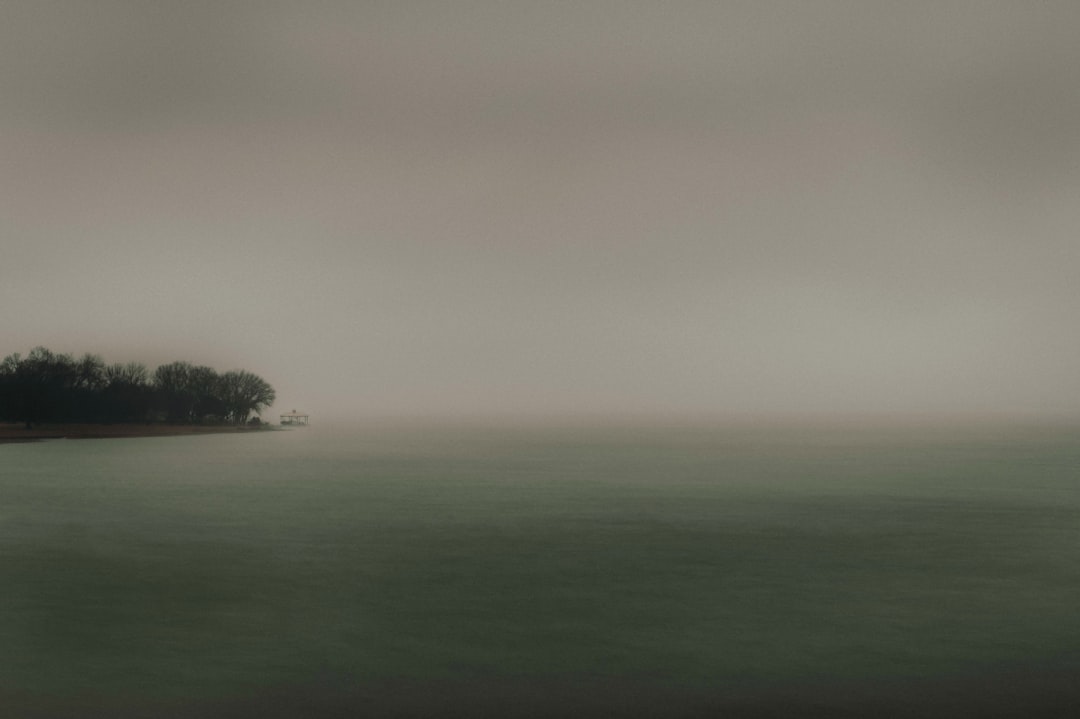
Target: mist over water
[[489, 208], [846, 228], [434, 570]]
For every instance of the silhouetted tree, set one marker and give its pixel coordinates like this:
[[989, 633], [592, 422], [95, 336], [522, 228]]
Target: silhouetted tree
[[131, 373], [204, 386], [12, 391], [39, 386], [173, 386], [49, 387], [244, 393], [127, 393]]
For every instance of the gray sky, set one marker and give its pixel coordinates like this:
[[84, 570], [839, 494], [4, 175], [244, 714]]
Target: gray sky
[[560, 207]]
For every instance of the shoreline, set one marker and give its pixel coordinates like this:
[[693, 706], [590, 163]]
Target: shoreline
[[13, 433]]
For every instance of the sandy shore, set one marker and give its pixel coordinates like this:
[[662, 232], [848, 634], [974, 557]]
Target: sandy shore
[[18, 432]]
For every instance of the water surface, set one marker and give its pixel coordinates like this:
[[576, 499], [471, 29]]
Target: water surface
[[633, 571]]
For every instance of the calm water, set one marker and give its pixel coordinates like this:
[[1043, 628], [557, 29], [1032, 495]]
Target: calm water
[[525, 572]]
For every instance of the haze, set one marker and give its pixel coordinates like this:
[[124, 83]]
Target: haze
[[498, 208]]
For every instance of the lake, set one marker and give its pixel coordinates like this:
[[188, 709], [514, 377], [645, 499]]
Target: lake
[[411, 570]]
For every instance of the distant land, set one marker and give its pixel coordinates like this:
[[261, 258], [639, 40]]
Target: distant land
[[10, 433], [45, 390]]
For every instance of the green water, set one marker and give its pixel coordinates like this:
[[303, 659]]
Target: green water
[[542, 572]]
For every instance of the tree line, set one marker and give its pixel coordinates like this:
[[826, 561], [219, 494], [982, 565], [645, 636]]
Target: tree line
[[45, 386]]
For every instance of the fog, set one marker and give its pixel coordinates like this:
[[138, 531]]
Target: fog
[[604, 208]]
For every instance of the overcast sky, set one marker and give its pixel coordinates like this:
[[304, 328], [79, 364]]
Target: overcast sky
[[410, 208]]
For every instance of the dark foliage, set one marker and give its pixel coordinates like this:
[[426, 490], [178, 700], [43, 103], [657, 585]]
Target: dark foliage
[[49, 387]]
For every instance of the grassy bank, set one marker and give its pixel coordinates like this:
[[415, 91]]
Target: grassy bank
[[19, 433]]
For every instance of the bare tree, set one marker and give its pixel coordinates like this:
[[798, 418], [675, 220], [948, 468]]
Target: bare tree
[[244, 393], [48, 387]]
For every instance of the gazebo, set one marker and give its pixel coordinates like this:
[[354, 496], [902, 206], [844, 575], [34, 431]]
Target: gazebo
[[294, 417]]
